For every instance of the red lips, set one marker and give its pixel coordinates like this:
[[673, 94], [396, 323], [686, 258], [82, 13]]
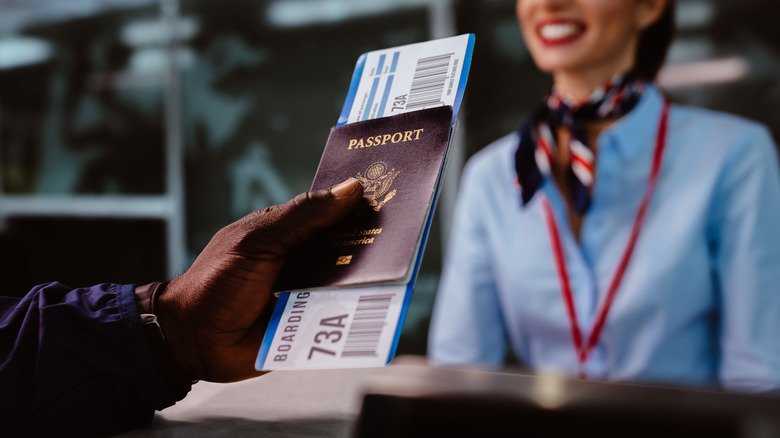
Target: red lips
[[559, 31]]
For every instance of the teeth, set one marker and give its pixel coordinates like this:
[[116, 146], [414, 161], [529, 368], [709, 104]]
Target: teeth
[[557, 31]]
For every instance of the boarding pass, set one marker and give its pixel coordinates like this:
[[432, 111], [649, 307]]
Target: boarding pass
[[360, 327]]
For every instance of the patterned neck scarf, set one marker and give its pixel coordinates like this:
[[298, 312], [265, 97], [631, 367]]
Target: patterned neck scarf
[[538, 138]]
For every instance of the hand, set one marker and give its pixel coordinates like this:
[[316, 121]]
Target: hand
[[210, 314]]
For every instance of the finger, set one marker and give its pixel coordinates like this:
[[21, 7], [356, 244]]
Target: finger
[[295, 221]]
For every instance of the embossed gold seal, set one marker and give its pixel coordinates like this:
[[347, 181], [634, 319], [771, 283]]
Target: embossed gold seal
[[377, 182]]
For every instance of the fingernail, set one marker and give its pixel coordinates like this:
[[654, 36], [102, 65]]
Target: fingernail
[[344, 189]]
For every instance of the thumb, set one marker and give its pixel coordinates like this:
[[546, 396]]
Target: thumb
[[292, 223]]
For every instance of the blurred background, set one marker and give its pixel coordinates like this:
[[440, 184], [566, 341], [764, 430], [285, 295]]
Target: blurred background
[[132, 130]]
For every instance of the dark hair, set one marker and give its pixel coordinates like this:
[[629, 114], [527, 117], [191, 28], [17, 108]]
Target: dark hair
[[653, 44]]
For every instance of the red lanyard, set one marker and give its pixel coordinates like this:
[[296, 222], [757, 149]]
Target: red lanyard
[[585, 347]]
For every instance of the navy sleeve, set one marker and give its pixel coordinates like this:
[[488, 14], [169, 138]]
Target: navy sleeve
[[76, 360]]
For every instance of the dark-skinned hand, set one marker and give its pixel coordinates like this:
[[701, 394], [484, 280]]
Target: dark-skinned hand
[[211, 314]]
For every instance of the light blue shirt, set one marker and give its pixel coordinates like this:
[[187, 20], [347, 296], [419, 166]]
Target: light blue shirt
[[700, 300]]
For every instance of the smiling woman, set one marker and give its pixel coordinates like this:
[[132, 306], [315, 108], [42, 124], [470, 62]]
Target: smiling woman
[[615, 235], [581, 46]]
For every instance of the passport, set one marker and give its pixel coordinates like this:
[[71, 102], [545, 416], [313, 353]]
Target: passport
[[398, 160]]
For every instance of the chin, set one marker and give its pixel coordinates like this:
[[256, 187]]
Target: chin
[[553, 66], [550, 60]]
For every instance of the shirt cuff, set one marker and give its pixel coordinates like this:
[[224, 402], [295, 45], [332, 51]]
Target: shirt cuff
[[160, 393]]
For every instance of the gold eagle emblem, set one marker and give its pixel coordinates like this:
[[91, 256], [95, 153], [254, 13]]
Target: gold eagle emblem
[[377, 183]]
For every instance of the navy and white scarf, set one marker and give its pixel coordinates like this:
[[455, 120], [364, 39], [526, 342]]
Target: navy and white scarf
[[538, 138]]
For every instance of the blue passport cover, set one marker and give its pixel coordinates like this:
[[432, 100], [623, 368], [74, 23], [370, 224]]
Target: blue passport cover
[[398, 160]]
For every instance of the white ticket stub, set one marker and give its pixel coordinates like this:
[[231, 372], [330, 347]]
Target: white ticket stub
[[348, 328], [409, 78]]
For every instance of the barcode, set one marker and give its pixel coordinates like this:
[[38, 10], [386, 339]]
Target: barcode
[[366, 328], [428, 82]]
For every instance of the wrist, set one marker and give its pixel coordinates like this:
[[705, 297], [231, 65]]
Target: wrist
[[146, 299], [179, 330]]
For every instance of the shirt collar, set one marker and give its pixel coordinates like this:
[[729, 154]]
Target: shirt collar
[[636, 131]]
